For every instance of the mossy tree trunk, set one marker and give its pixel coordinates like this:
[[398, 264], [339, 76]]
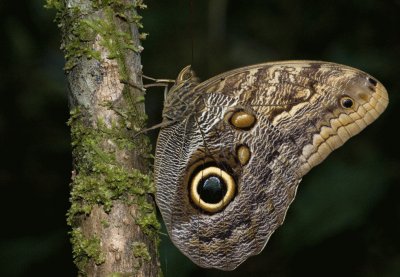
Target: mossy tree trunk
[[112, 215]]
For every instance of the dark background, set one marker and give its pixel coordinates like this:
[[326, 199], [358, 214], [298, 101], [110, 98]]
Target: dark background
[[345, 219]]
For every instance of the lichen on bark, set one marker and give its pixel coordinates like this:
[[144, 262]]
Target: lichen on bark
[[112, 214]]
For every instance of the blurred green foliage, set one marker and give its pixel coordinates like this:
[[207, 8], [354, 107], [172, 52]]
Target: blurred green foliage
[[346, 217]]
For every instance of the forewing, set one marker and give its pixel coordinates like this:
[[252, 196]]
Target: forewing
[[303, 99]]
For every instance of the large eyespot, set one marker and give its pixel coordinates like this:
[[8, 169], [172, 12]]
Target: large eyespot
[[346, 102], [212, 188]]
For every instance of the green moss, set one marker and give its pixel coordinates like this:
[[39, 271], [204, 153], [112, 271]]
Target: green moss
[[148, 223], [100, 179], [54, 4], [105, 224], [77, 38], [80, 28], [114, 40], [85, 249], [140, 4], [140, 251], [143, 36]]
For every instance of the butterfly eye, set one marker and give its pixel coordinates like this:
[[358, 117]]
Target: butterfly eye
[[212, 189], [346, 102]]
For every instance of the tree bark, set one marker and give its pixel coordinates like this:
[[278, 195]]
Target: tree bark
[[112, 214]]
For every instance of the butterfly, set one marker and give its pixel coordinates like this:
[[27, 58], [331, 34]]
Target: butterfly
[[233, 149]]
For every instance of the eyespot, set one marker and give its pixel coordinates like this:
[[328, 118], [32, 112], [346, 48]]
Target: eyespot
[[242, 120], [243, 154], [212, 189], [346, 102]]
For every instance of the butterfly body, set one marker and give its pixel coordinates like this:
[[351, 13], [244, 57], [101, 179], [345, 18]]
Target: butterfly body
[[235, 147]]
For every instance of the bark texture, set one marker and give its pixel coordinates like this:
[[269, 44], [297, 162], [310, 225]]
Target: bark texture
[[112, 215]]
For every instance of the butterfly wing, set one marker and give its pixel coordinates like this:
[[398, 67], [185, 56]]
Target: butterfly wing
[[228, 168], [305, 100]]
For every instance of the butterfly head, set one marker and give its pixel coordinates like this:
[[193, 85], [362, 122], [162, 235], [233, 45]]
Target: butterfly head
[[187, 75], [179, 100]]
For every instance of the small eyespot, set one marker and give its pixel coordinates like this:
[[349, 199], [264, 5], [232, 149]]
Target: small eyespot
[[346, 102], [372, 81], [212, 189], [242, 120], [243, 154]]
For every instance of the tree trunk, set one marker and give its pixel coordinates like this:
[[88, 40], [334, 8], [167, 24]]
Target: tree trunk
[[112, 214]]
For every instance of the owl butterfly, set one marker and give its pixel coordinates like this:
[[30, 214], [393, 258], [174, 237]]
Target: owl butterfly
[[234, 148]]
